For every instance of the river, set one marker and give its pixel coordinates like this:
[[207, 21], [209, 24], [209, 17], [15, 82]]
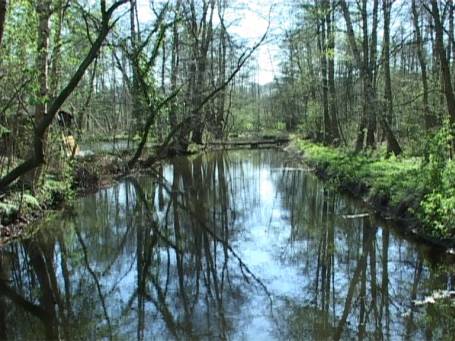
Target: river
[[238, 245]]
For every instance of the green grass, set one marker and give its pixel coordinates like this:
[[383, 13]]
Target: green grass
[[426, 191], [395, 177]]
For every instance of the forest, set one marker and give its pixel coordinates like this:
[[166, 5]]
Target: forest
[[227, 169], [364, 90], [371, 79]]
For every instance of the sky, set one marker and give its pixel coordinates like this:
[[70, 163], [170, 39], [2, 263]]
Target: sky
[[253, 20], [249, 21]]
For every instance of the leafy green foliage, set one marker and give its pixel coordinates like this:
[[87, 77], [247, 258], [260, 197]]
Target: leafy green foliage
[[438, 205], [394, 178], [4, 130], [56, 190], [427, 187], [7, 209], [17, 203]]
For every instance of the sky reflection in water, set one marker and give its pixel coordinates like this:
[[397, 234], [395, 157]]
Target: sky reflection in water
[[237, 245]]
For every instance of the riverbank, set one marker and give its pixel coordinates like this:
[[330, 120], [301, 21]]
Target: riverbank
[[92, 171], [254, 213], [397, 189], [85, 174], [18, 208]]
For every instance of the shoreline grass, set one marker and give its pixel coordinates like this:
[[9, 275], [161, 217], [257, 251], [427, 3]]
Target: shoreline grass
[[404, 188]]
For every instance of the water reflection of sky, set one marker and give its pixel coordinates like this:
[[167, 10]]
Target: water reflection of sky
[[284, 224]]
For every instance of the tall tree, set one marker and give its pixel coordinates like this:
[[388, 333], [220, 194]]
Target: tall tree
[[429, 119], [367, 68], [363, 64], [3, 6], [143, 87], [322, 9], [202, 33], [220, 103], [198, 22], [370, 42], [175, 64], [60, 8], [43, 12], [37, 153], [330, 15], [392, 143], [444, 63], [136, 95]]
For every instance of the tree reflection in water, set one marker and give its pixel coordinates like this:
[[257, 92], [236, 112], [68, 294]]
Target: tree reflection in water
[[225, 246]]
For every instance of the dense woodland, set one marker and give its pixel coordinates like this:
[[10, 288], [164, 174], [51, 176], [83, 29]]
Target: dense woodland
[[372, 77]]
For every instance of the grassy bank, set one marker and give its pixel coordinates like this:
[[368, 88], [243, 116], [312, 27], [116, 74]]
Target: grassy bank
[[417, 191]]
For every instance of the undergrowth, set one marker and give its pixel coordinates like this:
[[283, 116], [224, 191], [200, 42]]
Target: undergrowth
[[422, 186], [22, 202]]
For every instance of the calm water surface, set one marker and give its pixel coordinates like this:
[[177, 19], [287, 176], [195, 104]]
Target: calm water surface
[[100, 147], [243, 245]]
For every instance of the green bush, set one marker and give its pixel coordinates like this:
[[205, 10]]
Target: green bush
[[438, 205]]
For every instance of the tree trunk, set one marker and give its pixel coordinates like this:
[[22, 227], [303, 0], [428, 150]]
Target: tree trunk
[[444, 63], [428, 117], [37, 153], [222, 48], [365, 74], [392, 143], [331, 75], [136, 98], [450, 40], [43, 12], [201, 46], [3, 6], [174, 65], [322, 47], [197, 122], [54, 75], [147, 90], [370, 65]]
